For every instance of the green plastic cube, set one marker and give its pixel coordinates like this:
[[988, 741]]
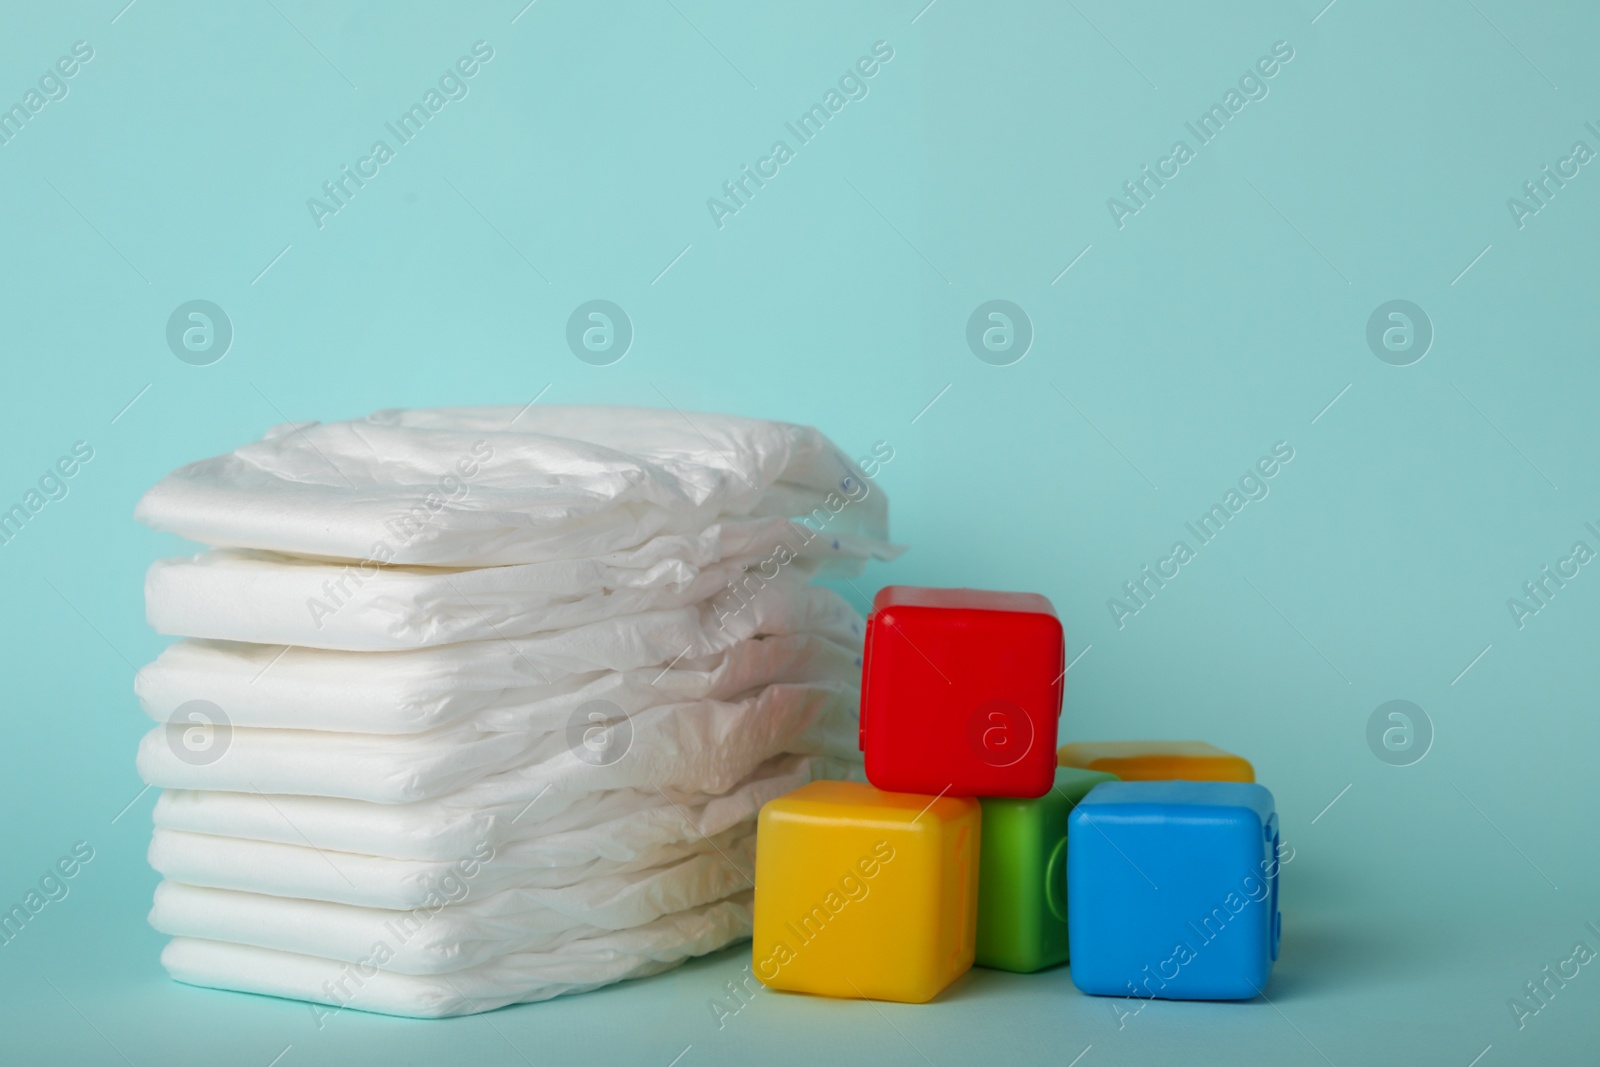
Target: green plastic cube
[[1022, 875]]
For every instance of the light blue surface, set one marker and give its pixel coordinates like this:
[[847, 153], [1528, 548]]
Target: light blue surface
[[1167, 357], [1172, 890]]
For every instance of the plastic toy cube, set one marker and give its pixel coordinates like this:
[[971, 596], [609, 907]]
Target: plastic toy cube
[[1022, 875], [863, 893], [1151, 761], [1173, 890], [961, 692]]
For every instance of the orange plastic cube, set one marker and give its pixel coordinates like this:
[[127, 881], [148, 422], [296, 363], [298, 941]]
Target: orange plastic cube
[[864, 893], [1148, 761]]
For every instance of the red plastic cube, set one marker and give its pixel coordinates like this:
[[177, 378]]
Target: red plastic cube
[[961, 692]]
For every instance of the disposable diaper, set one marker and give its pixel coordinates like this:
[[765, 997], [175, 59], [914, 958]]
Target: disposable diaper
[[263, 597], [582, 890], [574, 967], [314, 687], [495, 685], [421, 941], [568, 828], [705, 744], [486, 486]]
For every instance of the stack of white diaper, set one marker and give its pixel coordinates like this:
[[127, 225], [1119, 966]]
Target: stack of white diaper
[[478, 706]]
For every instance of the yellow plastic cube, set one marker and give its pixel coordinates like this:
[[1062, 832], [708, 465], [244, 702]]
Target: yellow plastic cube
[[1148, 761], [864, 893]]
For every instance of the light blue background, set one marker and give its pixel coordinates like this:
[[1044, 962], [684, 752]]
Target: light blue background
[[1222, 318]]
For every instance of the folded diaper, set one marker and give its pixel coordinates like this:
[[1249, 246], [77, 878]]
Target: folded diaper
[[600, 891], [577, 966], [451, 933], [568, 828], [490, 684], [382, 684], [247, 595], [425, 941], [487, 486], [707, 744]]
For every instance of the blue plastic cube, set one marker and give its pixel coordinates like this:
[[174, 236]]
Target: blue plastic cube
[[1172, 890]]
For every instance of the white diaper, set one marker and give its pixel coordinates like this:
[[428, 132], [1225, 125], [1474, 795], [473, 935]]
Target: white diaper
[[707, 744], [403, 693], [263, 597], [380, 882], [488, 486], [423, 941], [575, 967], [570, 828], [413, 690]]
